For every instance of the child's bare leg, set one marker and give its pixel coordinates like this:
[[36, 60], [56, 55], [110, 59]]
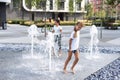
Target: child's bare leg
[[67, 61], [75, 61]]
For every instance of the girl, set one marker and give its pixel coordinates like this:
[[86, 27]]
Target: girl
[[73, 47], [57, 30]]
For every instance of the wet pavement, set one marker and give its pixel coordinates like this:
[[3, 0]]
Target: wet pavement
[[15, 43]]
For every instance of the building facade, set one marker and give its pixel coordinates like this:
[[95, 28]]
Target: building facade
[[3, 4], [20, 10]]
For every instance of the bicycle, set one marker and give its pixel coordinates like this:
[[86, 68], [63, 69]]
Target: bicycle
[[48, 28]]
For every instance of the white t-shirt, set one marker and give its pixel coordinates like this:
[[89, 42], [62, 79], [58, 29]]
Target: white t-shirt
[[75, 41], [57, 30]]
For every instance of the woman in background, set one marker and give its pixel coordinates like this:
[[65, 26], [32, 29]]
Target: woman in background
[[57, 30]]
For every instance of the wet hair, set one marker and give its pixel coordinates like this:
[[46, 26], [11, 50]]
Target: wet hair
[[79, 23], [58, 21]]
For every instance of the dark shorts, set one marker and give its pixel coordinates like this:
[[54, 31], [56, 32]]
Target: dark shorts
[[74, 51]]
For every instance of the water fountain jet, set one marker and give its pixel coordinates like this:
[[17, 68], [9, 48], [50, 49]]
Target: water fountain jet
[[33, 33], [93, 47]]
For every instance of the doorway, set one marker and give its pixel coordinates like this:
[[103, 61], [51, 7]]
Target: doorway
[[56, 15], [61, 16]]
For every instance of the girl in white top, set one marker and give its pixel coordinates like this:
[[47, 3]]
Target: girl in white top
[[73, 47], [57, 30]]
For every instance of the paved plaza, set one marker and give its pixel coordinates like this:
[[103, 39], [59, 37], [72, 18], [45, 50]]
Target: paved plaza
[[16, 67], [18, 34]]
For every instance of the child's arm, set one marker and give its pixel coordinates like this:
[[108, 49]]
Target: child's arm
[[60, 29], [70, 42]]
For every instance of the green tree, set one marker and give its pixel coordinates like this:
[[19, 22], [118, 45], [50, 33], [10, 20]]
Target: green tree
[[89, 9], [111, 4], [78, 1], [71, 6]]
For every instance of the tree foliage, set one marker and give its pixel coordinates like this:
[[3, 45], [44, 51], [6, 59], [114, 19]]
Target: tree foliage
[[89, 9], [111, 6], [71, 6], [78, 1], [35, 3], [112, 3]]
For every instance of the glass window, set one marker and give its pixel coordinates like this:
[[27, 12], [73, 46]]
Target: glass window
[[51, 4], [61, 6], [78, 6], [43, 5]]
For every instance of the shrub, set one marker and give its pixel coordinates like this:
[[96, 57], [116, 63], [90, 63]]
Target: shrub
[[111, 23], [43, 24], [28, 23], [13, 21], [87, 24], [97, 22], [9, 21], [118, 21], [67, 23], [38, 21]]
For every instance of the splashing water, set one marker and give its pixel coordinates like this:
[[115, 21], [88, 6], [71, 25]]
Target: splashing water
[[44, 47], [33, 33], [50, 41], [93, 47]]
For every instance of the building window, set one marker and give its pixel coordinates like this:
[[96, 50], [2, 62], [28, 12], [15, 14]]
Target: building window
[[51, 4], [61, 5], [43, 5], [78, 6]]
